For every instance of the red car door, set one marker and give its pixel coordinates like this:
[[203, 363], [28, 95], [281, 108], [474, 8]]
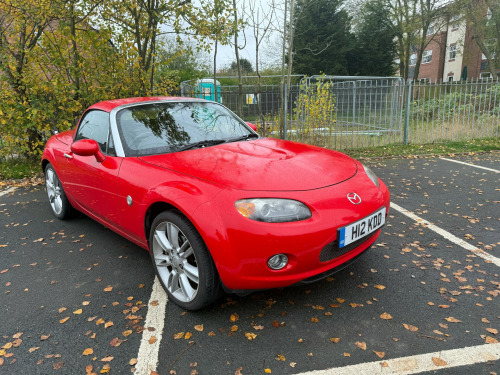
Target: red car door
[[90, 183]]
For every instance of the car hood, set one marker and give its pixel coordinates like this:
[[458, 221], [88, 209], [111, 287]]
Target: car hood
[[262, 164]]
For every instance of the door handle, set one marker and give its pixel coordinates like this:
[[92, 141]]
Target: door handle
[[68, 156]]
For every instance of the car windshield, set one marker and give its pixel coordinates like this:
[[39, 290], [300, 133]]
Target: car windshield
[[158, 128]]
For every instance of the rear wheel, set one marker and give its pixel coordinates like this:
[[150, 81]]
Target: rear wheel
[[59, 204], [182, 262]]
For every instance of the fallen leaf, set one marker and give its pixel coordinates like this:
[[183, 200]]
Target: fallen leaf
[[250, 336], [64, 320], [491, 340], [88, 351], [108, 358], [78, 312], [99, 321], [116, 342], [58, 365], [444, 306], [379, 354], [108, 324], [360, 344], [109, 288], [335, 340], [31, 350], [380, 287], [188, 335], [44, 337], [452, 320], [347, 354], [439, 361], [132, 362], [386, 316], [178, 335], [62, 309], [105, 369], [234, 317], [127, 333], [410, 327], [280, 357], [267, 370], [199, 327], [314, 320], [234, 328], [492, 330], [258, 328]]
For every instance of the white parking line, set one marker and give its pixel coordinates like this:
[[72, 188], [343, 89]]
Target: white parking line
[[8, 191], [471, 165], [420, 363], [147, 358], [450, 237]]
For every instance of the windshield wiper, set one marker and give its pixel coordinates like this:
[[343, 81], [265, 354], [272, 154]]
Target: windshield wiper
[[206, 143], [243, 137]]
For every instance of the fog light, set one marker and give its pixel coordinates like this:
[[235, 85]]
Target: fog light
[[277, 262]]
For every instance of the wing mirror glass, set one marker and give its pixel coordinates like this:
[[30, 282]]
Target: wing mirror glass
[[88, 147]]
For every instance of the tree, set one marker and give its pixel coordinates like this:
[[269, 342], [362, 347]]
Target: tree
[[375, 50], [483, 19], [246, 66], [178, 61], [322, 37]]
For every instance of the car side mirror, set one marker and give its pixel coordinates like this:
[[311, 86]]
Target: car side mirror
[[88, 147], [252, 125]]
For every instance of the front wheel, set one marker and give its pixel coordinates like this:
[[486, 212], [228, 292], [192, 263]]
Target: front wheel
[[59, 204], [182, 262]]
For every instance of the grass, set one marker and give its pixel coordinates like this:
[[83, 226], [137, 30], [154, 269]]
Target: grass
[[19, 168], [444, 148], [14, 169]]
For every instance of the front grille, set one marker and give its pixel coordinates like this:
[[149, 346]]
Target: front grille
[[332, 251]]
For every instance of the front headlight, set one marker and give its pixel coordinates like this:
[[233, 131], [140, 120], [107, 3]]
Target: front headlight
[[273, 210], [371, 174]]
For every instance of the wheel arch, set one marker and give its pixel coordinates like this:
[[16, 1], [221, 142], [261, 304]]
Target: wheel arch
[[153, 211], [45, 162]]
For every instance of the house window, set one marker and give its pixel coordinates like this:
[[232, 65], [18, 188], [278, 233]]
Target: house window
[[450, 79], [455, 22], [427, 57], [430, 30], [413, 59], [453, 51], [485, 76]]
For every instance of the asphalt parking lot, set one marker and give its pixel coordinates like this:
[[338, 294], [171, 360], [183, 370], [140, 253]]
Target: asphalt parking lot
[[78, 299]]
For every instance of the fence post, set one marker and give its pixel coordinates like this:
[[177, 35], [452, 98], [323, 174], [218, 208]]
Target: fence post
[[286, 111], [407, 113]]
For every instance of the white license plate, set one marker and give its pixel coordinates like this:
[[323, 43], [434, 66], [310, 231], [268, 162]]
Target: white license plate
[[353, 232]]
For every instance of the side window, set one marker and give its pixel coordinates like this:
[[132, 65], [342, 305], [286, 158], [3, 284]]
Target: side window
[[95, 125]]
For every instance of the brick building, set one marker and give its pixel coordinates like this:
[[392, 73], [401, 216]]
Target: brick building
[[451, 55]]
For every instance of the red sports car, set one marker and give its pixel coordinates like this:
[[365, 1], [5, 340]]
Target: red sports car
[[217, 206]]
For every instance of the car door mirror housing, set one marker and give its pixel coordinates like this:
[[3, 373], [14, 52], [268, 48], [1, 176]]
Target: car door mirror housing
[[88, 147], [252, 125]]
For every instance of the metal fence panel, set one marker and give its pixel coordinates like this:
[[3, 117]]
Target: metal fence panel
[[354, 112]]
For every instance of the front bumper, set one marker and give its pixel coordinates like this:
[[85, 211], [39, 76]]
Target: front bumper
[[241, 247]]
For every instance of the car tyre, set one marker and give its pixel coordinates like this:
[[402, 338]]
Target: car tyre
[[61, 208], [182, 262]]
